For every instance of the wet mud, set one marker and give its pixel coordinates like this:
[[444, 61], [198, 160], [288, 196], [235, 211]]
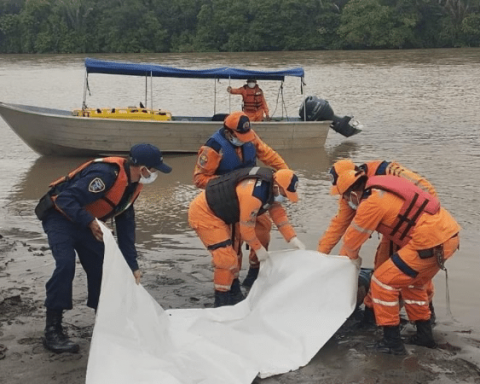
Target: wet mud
[[344, 359]]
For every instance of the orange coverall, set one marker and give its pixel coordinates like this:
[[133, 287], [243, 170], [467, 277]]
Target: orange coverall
[[388, 281], [214, 232], [345, 214], [206, 167], [254, 103]]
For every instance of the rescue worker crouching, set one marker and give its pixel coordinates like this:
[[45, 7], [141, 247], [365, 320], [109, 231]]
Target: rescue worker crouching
[[254, 104], [97, 190], [424, 232], [345, 213], [239, 197], [232, 147]]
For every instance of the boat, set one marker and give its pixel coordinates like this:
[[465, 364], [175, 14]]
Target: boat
[[113, 131]]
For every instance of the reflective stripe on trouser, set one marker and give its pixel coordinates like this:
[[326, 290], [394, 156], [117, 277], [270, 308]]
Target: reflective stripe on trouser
[[263, 226], [408, 275], [385, 249], [216, 236]]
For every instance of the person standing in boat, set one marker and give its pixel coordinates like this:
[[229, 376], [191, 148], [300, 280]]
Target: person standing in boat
[[237, 198], [97, 190], [254, 104], [232, 147]]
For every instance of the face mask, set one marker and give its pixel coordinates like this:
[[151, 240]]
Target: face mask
[[279, 198], [251, 85], [351, 204], [236, 141], [150, 179]]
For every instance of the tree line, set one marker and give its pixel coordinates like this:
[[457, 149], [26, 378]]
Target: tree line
[[142, 26]]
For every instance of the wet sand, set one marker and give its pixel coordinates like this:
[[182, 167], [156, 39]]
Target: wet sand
[[25, 266]]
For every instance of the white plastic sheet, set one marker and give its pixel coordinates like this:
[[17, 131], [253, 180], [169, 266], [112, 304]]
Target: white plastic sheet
[[298, 302]]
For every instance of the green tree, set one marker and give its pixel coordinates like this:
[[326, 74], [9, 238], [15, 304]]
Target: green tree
[[370, 24], [129, 26]]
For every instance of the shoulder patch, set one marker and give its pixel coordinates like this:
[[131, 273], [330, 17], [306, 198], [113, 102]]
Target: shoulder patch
[[203, 160], [96, 185]]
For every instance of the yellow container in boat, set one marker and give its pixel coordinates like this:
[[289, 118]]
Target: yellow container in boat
[[130, 113]]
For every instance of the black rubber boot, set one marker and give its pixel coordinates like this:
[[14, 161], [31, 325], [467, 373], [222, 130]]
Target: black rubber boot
[[222, 299], [391, 343], [236, 292], [368, 320], [251, 277], [424, 336], [55, 339]]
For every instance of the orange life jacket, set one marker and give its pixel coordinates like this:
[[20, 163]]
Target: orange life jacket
[[416, 203], [108, 204], [252, 100]]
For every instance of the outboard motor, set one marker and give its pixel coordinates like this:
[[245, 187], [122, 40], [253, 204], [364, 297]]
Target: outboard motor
[[316, 109]]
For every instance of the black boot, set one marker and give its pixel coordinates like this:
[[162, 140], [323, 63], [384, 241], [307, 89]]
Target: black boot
[[368, 320], [424, 336], [251, 277], [391, 343], [236, 292], [222, 299], [55, 339]]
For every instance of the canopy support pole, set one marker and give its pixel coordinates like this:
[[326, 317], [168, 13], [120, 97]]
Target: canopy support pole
[[229, 97], [302, 86], [85, 82], [146, 89], [214, 97], [151, 91]]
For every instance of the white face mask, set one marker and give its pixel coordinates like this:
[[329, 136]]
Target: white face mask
[[236, 141], [351, 204], [150, 179], [279, 198], [251, 84]]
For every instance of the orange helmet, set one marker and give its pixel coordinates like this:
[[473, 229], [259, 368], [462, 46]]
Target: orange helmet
[[289, 182], [345, 181], [339, 167], [239, 123]]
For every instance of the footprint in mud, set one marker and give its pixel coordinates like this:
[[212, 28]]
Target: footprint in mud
[[3, 350], [29, 341]]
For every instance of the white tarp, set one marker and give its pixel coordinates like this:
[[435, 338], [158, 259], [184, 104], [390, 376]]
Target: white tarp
[[298, 302]]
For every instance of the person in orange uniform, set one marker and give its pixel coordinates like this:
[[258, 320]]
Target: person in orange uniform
[[239, 197], [426, 236], [345, 214], [254, 103], [232, 147]]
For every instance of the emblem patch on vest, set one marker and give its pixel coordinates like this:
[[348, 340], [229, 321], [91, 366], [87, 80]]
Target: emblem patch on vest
[[203, 159], [96, 185]]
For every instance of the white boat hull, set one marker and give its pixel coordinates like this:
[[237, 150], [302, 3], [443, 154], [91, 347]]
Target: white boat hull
[[55, 132]]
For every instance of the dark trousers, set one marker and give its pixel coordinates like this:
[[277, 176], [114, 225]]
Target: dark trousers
[[64, 238]]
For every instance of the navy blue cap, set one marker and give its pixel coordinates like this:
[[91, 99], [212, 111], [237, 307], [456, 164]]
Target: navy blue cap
[[149, 156]]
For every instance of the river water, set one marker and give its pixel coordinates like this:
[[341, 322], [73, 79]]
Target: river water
[[418, 107]]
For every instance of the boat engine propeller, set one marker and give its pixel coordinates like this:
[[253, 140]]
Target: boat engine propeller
[[316, 109]]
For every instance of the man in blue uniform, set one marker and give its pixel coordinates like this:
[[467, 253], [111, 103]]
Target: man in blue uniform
[[99, 189]]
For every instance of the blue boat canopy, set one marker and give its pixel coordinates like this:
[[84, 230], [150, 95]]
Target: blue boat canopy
[[134, 69]]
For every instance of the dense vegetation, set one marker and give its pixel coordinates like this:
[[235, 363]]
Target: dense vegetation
[[85, 26]]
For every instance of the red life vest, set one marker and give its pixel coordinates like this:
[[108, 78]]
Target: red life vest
[[103, 207], [252, 100], [416, 203]]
